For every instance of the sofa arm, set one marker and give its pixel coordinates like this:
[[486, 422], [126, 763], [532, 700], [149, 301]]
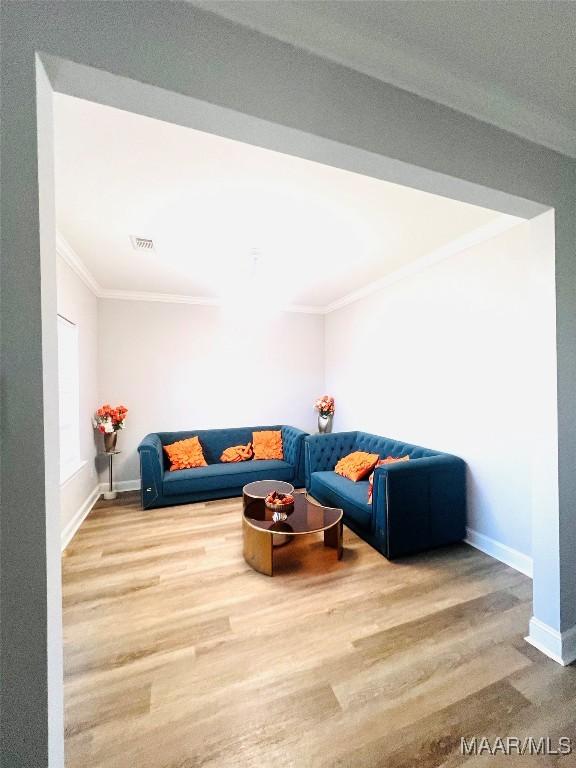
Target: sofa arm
[[151, 469], [322, 452], [293, 444], [419, 504]]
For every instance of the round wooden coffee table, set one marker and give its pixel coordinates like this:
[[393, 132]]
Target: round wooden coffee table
[[259, 489], [307, 517]]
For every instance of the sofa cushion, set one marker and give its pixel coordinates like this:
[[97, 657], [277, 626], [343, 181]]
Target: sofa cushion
[[356, 465], [267, 444], [237, 453], [214, 441], [336, 491], [381, 463], [217, 476], [185, 454]]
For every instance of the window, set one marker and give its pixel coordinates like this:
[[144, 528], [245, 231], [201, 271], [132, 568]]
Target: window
[[68, 385]]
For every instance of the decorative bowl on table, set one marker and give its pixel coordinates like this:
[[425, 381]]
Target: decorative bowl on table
[[280, 504]]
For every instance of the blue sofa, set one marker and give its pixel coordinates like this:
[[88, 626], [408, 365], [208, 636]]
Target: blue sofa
[[416, 504], [161, 488]]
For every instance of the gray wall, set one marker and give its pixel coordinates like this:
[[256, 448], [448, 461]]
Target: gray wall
[[178, 48]]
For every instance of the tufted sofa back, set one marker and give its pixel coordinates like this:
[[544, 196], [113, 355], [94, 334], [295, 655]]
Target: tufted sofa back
[[385, 446], [322, 452], [293, 445], [215, 441]]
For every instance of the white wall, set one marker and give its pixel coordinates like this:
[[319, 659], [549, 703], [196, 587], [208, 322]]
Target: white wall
[[183, 366], [449, 358], [79, 305]]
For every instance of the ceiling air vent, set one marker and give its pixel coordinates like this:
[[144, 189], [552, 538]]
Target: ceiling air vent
[[141, 243]]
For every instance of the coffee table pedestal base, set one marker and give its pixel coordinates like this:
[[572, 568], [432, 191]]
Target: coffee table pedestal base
[[258, 548]]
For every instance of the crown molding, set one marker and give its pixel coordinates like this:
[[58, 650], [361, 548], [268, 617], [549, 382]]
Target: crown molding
[[65, 250], [173, 298], [479, 235], [166, 298]]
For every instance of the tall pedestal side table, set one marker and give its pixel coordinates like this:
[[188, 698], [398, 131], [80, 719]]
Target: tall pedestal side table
[[110, 493]]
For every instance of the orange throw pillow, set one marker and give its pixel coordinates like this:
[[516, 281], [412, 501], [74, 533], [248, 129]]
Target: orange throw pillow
[[185, 454], [268, 444], [387, 460], [237, 453], [356, 465]]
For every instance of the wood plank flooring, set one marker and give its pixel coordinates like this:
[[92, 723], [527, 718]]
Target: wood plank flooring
[[178, 655]]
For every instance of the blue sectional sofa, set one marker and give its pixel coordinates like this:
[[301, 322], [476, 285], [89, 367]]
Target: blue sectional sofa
[[161, 488], [416, 504]]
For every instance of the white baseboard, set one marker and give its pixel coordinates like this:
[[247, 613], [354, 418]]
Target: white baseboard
[[502, 552], [72, 526], [559, 646], [122, 485]]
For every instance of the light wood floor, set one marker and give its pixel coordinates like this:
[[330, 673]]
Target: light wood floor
[[178, 655]]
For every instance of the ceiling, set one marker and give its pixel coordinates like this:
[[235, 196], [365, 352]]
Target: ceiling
[[512, 64], [229, 218]]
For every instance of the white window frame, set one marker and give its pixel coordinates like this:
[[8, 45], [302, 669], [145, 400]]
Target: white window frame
[[68, 398]]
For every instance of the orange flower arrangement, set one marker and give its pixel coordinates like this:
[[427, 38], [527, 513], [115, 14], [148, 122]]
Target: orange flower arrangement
[[324, 405], [109, 419]]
